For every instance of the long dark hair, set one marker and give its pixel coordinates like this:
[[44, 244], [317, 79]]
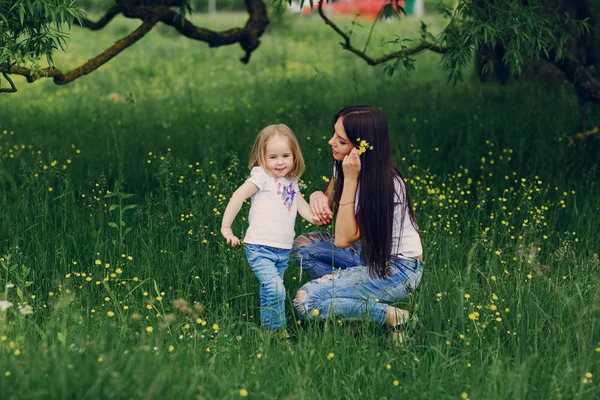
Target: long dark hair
[[376, 194]]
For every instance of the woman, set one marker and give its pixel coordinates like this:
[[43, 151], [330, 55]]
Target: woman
[[372, 204]]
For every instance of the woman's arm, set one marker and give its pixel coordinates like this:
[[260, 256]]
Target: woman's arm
[[233, 207], [346, 226], [347, 230]]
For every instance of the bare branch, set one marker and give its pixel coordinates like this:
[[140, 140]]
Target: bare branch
[[346, 45], [587, 136], [151, 12], [247, 36], [110, 14], [12, 89], [90, 65]]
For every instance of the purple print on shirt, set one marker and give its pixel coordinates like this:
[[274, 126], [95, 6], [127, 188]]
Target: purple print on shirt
[[288, 194]]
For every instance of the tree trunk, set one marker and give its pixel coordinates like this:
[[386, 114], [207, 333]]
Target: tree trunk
[[489, 59], [495, 56]]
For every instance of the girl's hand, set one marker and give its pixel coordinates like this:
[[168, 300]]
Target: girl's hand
[[319, 204], [351, 165], [318, 221], [230, 237]]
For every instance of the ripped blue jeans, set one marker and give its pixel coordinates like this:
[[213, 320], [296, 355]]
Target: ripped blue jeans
[[315, 253], [343, 285], [269, 264]]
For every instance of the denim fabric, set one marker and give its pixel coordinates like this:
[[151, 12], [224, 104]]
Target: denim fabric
[[269, 264], [352, 292], [320, 257]]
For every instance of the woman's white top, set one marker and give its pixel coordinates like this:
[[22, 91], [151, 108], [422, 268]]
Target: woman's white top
[[410, 245], [273, 210]]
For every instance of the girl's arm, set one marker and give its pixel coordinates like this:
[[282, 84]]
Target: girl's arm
[[347, 230], [306, 212], [233, 207], [320, 204]]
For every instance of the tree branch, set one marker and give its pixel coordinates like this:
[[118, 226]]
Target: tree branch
[[90, 65], [151, 12], [346, 45], [587, 136], [94, 26], [247, 36], [12, 89]]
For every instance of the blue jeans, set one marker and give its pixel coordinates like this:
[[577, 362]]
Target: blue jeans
[[269, 264], [316, 254], [349, 291]]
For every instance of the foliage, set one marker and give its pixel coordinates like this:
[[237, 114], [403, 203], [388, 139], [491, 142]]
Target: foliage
[[532, 29], [34, 29]]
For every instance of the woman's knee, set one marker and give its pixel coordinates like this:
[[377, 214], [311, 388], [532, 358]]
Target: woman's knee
[[300, 303], [302, 240], [299, 246]]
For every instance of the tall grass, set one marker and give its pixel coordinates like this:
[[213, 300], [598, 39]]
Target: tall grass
[[112, 190]]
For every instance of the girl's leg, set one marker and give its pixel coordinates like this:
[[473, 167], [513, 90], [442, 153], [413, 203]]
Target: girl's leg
[[316, 254], [282, 262], [272, 292]]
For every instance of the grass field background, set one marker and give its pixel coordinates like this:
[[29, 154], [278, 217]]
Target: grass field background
[[112, 189]]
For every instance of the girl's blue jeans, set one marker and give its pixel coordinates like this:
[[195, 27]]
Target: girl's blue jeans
[[269, 264], [342, 283]]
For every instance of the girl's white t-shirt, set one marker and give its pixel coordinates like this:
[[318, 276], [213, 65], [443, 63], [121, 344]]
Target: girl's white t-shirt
[[410, 245], [273, 210]]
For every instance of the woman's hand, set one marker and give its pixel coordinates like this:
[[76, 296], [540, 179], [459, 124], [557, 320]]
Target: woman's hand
[[351, 165], [319, 204]]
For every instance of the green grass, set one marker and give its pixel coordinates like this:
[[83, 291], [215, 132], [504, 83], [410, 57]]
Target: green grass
[[508, 213]]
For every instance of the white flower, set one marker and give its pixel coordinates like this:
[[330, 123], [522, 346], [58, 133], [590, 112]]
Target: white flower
[[26, 310], [5, 305], [10, 285]]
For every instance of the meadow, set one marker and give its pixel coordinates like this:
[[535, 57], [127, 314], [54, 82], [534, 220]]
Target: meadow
[[120, 285]]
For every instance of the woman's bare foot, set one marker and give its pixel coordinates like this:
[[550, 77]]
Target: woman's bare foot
[[399, 319]]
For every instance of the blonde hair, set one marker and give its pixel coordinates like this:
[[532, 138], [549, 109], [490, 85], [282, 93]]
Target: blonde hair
[[257, 158]]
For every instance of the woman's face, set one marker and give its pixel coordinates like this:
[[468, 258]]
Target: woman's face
[[341, 146]]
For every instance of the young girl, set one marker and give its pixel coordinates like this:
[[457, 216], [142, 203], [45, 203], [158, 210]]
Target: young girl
[[276, 164]]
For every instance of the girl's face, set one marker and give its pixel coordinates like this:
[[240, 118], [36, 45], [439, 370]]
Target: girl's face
[[279, 158], [341, 146]]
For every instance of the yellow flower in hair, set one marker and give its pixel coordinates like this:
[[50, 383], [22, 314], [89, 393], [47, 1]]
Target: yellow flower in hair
[[363, 146]]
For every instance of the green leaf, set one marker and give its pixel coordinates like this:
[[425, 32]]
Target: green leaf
[[156, 289], [113, 225], [129, 207], [113, 207], [22, 14], [61, 338]]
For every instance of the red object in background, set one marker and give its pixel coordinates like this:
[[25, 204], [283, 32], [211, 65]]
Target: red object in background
[[368, 9]]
